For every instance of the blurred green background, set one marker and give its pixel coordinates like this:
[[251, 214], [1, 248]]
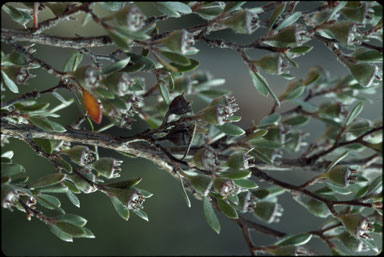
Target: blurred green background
[[173, 228]]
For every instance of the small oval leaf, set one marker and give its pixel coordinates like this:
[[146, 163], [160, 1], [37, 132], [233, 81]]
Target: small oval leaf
[[142, 214], [72, 219], [93, 107], [245, 183], [73, 198], [116, 66], [73, 61], [49, 180], [354, 113], [210, 215], [231, 130], [236, 174], [227, 209], [296, 240], [289, 20], [186, 198], [262, 86], [9, 83], [177, 58], [120, 208]]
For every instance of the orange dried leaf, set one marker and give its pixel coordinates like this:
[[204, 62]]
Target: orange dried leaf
[[93, 106], [35, 15]]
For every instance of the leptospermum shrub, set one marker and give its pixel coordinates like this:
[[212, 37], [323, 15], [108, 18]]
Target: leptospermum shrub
[[212, 158]]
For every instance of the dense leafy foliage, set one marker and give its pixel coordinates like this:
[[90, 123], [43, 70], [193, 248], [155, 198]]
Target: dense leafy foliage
[[215, 160]]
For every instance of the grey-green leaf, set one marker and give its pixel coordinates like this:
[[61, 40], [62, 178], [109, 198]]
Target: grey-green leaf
[[72, 219], [296, 240], [73, 198], [45, 124], [337, 160], [58, 188], [186, 198], [50, 202], [19, 15], [120, 208], [227, 209], [172, 9], [73, 230], [230, 6], [9, 82], [271, 120], [88, 233], [236, 174], [296, 120], [73, 61], [289, 20], [261, 156], [116, 66], [11, 169], [262, 86], [276, 13], [60, 233], [210, 215], [231, 130], [48, 180], [185, 68], [142, 214], [46, 144], [245, 183], [164, 93], [301, 49], [354, 113], [177, 58], [259, 83], [339, 189], [376, 185]]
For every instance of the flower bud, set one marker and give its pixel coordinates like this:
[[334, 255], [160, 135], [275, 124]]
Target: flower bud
[[219, 110], [130, 17], [206, 158], [334, 111], [223, 186], [82, 184], [288, 250], [180, 41], [107, 167], [80, 154], [88, 76], [239, 161], [359, 14], [344, 31], [244, 21], [131, 198], [273, 63], [356, 224], [366, 74], [247, 201], [268, 211], [119, 82], [341, 175], [290, 36], [352, 243], [9, 196], [180, 106]]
